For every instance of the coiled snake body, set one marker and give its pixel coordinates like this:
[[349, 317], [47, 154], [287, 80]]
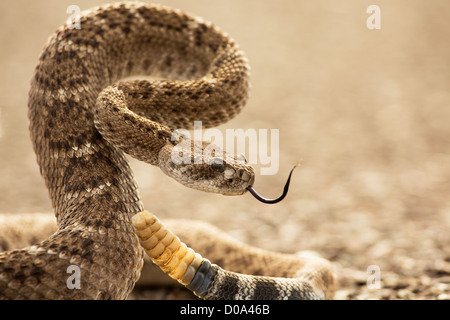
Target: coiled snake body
[[81, 122]]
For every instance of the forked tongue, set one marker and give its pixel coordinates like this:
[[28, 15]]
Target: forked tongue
[[272, 201]]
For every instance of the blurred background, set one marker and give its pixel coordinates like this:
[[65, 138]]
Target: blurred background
[[365, 111]]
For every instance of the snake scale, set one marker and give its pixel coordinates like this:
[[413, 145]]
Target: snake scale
[[82, 121]]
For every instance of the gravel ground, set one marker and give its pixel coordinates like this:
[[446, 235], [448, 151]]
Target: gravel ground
[[365, 111]]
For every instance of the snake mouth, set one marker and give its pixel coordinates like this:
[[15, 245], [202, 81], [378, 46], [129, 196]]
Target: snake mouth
[[272, 201]]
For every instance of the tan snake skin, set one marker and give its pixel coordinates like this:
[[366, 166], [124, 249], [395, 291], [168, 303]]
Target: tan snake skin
[[81, 122]]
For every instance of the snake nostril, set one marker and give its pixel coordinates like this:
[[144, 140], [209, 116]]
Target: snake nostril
[[251, 181]]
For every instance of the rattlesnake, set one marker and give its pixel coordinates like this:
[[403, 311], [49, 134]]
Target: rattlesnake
[[81, 120]]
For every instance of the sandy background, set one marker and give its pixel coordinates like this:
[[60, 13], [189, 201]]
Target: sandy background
[[367, 112]]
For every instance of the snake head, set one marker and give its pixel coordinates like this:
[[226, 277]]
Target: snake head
[[217, 172], [233, 174]]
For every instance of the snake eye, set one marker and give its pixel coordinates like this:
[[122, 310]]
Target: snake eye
[[218, 165]]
